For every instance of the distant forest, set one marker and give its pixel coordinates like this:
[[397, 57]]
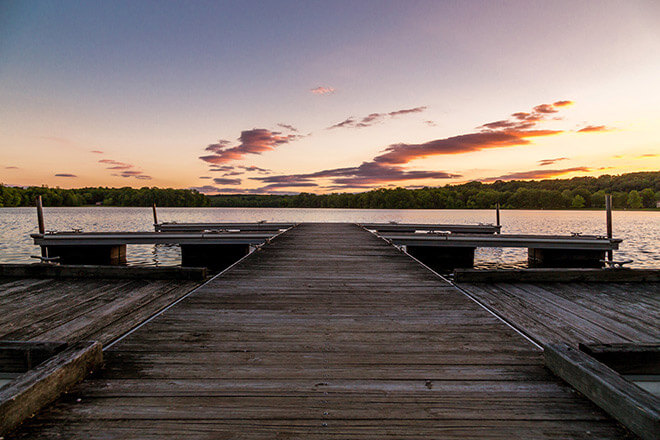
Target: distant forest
[[629, 191], [16, 196]]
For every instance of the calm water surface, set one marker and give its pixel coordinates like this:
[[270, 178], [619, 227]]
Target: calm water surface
[[639, 229]]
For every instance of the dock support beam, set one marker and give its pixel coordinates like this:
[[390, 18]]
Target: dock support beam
[[212, 256], [565, 258], [113, 255], [443, 258]]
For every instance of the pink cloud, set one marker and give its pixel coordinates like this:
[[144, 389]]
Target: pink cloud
[[322, 90]]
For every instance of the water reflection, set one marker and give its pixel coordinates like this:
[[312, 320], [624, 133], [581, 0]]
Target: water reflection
[[639, 229]]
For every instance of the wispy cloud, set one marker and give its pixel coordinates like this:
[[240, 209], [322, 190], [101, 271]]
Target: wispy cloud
[[65, 175], [205, 177], [368, 173], [545, 162], [374, 118], [593, 128], [537, 174], [115, 165], [96, 151], [255, 141], [322, 90], [11, 168], [288, 127], [133, 173], [225, 181]]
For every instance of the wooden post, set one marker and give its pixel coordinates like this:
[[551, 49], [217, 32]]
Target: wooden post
[[40, 216], [608, 209], [153, 207], [497, 216], [42, 224]]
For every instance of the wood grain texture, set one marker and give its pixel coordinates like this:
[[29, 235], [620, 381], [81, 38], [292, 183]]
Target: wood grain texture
[[81, 309], [576, 312], [327, 332]]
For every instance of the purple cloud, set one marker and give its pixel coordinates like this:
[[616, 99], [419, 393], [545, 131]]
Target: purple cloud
[[65, 175], [224, 181], [545, 162], [255, 141], [374, 118]]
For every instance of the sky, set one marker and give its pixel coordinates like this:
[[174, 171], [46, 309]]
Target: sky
[[277, 97]]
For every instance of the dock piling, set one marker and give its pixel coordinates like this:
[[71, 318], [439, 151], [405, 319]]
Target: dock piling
[[608, 209], [41, 224], [497, 217], [153, 207]]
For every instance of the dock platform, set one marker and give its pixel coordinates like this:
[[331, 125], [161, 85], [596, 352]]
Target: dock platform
[[326, 332]]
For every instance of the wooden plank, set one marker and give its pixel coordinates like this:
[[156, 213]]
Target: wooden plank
[[39, 270], [633, 407], [574, 312], [552, 275], [503, 240], [33, 390], [122, 238]]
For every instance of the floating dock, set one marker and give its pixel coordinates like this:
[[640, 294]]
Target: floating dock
[[325, 332]]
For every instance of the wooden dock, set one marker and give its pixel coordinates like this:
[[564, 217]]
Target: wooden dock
[[327, 332], [71, 310], [576, 312]]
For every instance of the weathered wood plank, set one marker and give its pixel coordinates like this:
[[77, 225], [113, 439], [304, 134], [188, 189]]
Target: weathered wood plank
[[636, 409], [552, 275], [39, 270], [34, 389]]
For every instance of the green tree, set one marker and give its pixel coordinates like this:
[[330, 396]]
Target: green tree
[[634, 200], [577, 202], [648, 198]]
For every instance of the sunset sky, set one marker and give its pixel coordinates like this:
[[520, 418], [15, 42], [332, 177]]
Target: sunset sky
[[290, 96]]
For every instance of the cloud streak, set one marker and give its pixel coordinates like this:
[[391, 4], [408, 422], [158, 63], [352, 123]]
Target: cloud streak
[[127, 169], [374, 118], [537, 174], [255, 141], [65, 175], [546, 162], [512, 132], [593, 129], [368, 173], [225, 181], [322, 90]]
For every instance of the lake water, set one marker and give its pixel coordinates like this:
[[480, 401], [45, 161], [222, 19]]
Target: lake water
[[640, 230]]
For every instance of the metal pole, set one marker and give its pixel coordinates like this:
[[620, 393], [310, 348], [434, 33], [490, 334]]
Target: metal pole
[[497, 215], [42, 224], [608, 209], [155, 215]]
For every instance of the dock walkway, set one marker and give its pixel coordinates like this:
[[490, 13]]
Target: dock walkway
[[327, 332]]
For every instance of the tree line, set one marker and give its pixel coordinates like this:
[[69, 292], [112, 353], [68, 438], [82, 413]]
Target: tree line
[[629, 191], [17, 196]]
